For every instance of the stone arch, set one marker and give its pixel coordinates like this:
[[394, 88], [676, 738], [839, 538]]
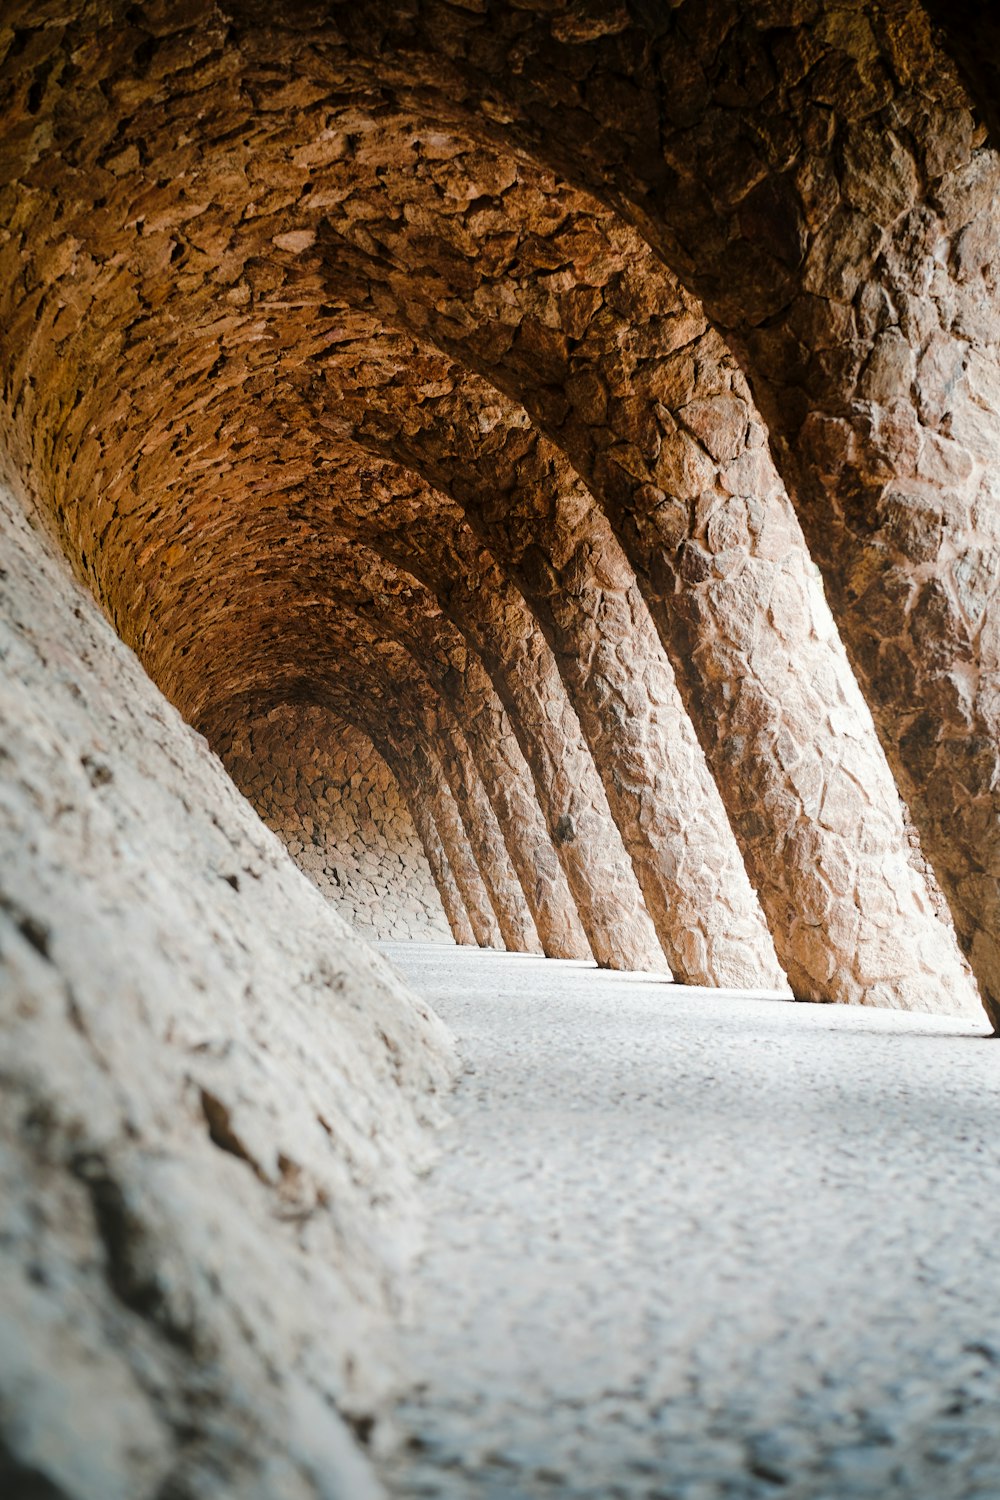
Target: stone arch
[[819, 179], [293, 690], [517, 497], [524, 676], [618, 366], [380, 710], [720, 288], [536, 515], [353, 575], [124, 268], [391, 684]]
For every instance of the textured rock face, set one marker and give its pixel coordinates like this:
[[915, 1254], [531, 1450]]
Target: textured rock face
[[213, 1095], [364, 291], [817, 177], [515, 383], [337, 808]]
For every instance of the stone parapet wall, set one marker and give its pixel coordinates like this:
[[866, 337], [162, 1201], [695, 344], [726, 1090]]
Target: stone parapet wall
[[335, 804]]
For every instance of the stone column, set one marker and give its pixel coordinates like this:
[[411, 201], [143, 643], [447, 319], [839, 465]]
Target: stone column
[[461, 859], [423, 822], [663, 799], [435, 745], [463, 684], [483, 832], [499, 627], [507, 779]]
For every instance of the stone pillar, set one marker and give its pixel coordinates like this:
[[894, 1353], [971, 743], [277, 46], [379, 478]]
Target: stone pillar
[[483, 832], [580, 821], [423, 822], [463, 684], [508, 782], [461, 859], [663, 798], [463, 814], [499, 627], [740, 607]]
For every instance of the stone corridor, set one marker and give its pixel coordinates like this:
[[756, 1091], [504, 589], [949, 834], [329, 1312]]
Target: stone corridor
[[499, 528], [690, 1246]]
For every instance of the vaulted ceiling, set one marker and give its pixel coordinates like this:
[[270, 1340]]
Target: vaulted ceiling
[[521, 383]]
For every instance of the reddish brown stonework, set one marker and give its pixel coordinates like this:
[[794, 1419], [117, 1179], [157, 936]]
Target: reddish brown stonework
[[274, 284], [816, 176], [331, 798], [616, 363], [391, 605], [521, 499], [658, 402], [410, 615], [550, 450], [483, 831]]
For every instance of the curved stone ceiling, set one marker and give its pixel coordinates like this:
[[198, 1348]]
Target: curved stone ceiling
[[297, 311]]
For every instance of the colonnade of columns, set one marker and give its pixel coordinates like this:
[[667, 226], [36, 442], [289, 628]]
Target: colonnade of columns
[[623, 469]]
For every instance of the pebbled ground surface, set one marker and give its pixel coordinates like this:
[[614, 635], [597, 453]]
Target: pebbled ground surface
[[691, 1245]]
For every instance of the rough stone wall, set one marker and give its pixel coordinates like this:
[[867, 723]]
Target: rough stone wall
[[617, 364], [173, 185], [332, 800], [817, 175], [212, 1100]]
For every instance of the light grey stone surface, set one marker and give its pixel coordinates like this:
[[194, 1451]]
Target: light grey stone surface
[[690, 1245], [213, 1099]]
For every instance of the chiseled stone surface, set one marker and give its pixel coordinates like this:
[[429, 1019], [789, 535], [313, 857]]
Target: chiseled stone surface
[[336, 806], [214, 1099], [255, 637], [793, 183], [617, 364], [816, 175], [517, 927], [696, 1246]]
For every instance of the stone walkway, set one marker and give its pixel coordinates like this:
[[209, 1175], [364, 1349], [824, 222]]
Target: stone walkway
[[689, 1245]]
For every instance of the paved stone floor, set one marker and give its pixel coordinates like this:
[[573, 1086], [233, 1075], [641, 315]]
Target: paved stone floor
[[689, 1245]]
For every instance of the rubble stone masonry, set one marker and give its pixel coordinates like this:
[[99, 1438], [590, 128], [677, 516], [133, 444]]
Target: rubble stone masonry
[[337, 808]]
